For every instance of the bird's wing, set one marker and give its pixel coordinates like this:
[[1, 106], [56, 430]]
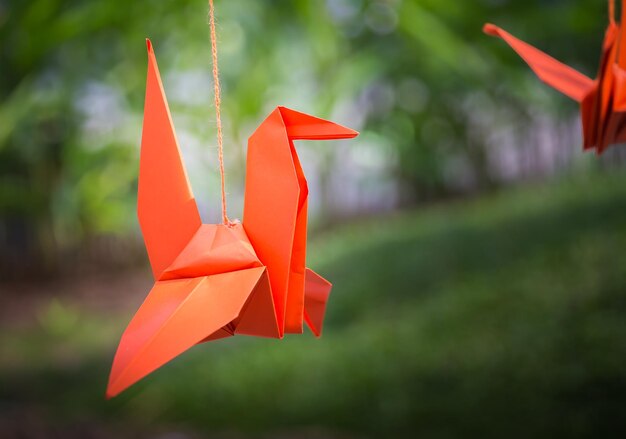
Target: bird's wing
[[563, 78], [167, 210], [316, 294], [275, 197], [178, 314]]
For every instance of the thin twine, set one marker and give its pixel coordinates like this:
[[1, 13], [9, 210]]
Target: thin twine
[[218, 116]]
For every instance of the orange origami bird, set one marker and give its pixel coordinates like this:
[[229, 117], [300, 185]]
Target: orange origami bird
[[218, 280], [603, 100]]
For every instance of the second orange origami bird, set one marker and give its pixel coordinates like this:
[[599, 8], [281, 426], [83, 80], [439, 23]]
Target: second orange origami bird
[[218, 280], [603, 100]]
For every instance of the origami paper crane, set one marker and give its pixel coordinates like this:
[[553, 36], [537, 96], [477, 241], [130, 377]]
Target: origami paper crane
[[218, 280], [603, 100]]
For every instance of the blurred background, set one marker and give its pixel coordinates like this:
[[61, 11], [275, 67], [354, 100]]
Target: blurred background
[[476, 252]]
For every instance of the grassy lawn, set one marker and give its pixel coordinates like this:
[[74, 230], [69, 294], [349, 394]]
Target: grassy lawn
[[501, 317]]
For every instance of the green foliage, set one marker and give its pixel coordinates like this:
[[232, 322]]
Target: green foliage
[[500, 317], [409, 72]]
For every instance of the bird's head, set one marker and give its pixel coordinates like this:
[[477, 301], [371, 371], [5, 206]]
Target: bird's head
[[301, 126]]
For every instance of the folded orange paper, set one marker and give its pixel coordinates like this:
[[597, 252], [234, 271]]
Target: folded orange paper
[[603, 100], [218, 280]]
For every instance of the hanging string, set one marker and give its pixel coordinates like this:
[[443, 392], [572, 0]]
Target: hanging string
[[218, 116], [612, 11]]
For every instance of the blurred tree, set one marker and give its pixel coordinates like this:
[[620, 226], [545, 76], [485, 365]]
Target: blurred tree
[[416, 75]]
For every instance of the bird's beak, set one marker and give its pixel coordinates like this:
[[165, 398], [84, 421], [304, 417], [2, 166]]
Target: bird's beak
[[491, 29], [301, 126]]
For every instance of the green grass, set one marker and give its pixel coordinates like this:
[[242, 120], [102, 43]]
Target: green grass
[[502, 317]]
